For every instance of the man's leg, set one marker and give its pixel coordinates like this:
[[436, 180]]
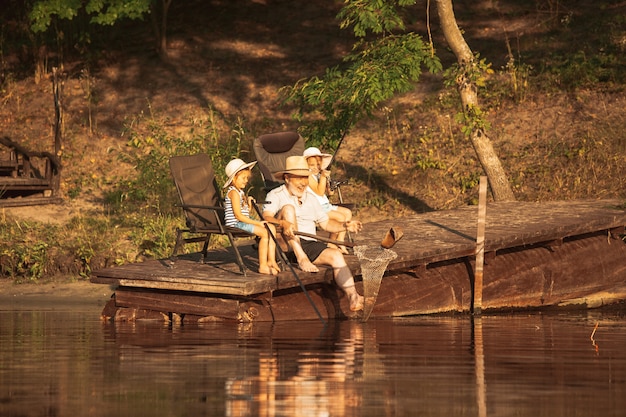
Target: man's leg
[[343, 276], [288, 212]]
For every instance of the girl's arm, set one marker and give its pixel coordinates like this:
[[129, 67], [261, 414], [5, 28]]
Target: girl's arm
[[319, 187], [235, 199]]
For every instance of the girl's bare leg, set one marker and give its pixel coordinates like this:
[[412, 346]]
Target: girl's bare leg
[[271, 251], [342, 214], [264, 267]]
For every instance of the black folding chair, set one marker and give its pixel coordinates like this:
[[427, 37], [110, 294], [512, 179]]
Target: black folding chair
[[271, 152], [202, 204]]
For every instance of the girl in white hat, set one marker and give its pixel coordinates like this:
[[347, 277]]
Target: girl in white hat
[[237, 214], [319, 186]]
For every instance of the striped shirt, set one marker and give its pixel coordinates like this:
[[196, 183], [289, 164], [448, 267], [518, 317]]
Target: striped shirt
[[229, 214]]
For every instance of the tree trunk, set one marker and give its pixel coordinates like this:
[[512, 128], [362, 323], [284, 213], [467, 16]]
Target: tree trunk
[[500, 187], [158, 16]]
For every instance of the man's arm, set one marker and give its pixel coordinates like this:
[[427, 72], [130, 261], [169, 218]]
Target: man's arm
[[287, 227]]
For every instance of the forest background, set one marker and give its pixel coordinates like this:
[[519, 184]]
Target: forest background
[[554, 102]]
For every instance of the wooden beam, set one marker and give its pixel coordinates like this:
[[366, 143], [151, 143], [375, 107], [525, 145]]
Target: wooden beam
[[477, 303]]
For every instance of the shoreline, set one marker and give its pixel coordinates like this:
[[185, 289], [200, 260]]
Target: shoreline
[[53, 295]]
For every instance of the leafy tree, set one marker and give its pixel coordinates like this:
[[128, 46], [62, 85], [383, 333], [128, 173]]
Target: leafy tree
[[103, 12], [373, 72], [390, 64]]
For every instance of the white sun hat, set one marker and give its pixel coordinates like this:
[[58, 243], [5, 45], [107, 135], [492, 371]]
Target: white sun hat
[[233, 167], [313, 151]]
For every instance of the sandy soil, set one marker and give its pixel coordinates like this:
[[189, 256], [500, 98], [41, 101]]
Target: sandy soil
[[53, 296]]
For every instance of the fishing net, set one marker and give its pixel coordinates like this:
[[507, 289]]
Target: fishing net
[[373, 263]]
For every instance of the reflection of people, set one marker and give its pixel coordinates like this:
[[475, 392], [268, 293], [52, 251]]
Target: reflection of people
[[237, 214], [309, 382], [320, 187], [297, 210]]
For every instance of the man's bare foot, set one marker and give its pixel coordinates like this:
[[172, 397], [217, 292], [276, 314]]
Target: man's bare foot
[[356, 302], [307, 266], [275, 269]]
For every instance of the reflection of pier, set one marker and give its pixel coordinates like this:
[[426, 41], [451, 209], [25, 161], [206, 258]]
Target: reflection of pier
[[537, 255], [479, 363]]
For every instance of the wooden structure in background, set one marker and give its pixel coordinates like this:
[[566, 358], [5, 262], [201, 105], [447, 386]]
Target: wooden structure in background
[[536, 255], [28, 177]]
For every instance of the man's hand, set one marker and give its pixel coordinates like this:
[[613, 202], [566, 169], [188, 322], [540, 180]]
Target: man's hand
[[288, 228]]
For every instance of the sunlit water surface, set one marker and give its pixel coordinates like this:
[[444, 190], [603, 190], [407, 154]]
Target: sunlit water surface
[[69, 363]]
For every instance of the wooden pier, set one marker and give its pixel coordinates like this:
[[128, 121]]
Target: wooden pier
[[537, 255]]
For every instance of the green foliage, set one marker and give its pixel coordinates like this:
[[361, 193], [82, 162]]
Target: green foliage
[[155, 235], [150, 146], [475, 73], [581, 69], [103, 12], [26, 254], [147, 202], [377, 16], [472, 120], [374, 73], [467, 181]]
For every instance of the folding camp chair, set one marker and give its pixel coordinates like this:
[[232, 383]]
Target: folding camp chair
[[271, 152], [202, 204]]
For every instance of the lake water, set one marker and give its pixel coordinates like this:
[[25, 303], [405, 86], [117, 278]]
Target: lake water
[[69, 363]]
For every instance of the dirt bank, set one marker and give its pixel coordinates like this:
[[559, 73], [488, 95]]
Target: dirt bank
[[81, 295]]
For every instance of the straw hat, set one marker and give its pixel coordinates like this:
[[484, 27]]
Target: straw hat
[[295, 165], [234, 167], [313, 151]]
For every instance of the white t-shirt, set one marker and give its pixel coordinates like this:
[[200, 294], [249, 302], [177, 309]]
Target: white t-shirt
[[308, 214]]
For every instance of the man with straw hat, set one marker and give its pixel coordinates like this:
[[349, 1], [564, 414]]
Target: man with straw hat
[[296, 210]]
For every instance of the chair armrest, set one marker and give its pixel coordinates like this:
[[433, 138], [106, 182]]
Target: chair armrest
[[195, 206]]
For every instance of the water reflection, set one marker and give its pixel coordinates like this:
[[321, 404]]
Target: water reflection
[[69, 364]]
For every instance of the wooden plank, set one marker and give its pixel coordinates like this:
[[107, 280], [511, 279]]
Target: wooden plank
[[182, 303], [29, 201], [477, 303]]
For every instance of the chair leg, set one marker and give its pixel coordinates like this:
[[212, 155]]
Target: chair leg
[[242, 267], [179, 241], [205, 247]]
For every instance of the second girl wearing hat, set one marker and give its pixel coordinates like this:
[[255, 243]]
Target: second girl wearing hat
[[237, 214], [318, 184]]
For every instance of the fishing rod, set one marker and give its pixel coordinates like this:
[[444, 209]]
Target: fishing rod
[[283, 257]]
